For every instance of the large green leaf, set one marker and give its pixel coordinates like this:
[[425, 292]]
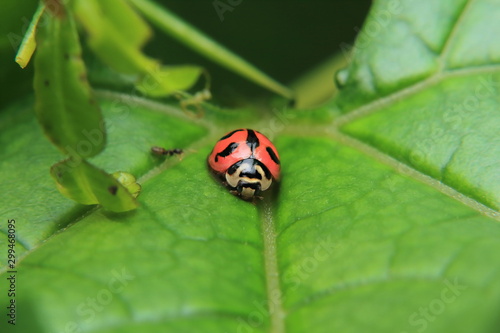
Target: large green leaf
[[372, 229], [445, 122]]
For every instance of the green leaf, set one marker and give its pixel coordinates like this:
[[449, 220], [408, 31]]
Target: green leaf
[[107, 39], [362, 236], [38, 200], [377, 68], [127, 21], [15, 83], [110, 40], [442, 131], [445, 125], [81, 181], [28, 44], [364, 240], [128, 181], [65, 106], [166, 80]]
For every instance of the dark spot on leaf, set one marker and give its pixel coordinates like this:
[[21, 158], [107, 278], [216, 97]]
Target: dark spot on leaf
[[66, 56], [56, 8], [46, 83], [83, 77], [113, 189], [91, 101]]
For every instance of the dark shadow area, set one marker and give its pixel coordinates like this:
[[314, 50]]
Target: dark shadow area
[[27, 319], [285, 39]]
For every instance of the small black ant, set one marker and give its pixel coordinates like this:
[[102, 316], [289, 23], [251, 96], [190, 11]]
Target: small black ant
[[168, 152]]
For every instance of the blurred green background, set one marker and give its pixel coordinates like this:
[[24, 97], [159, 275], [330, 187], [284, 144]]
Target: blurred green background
[[285, 39]]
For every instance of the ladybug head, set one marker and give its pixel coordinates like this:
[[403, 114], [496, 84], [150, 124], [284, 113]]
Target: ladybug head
[[248, 190], [248, 177]]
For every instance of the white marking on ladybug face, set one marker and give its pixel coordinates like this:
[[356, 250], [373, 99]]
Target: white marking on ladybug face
[[247, 192], [248, 177]]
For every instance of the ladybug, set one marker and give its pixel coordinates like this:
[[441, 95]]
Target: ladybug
[[246, 162]]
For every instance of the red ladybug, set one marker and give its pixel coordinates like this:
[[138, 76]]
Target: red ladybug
[[246, 161]]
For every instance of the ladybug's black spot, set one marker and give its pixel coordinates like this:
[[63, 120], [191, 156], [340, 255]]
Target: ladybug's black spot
[[230, 134], [273, 156], [252, 140], [232, 169], [267, 173], [253, 174], [253, 186], [113, 189], [227, 151], [248, 169]]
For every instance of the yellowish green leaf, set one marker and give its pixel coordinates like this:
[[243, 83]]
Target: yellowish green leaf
[[28, 44], [81, 181]]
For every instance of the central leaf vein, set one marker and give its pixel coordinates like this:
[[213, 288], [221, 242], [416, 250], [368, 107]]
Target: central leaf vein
[[274, 292]]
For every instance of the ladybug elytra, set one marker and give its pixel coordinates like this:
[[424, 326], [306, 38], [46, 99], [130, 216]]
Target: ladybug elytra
[[246, 162]]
